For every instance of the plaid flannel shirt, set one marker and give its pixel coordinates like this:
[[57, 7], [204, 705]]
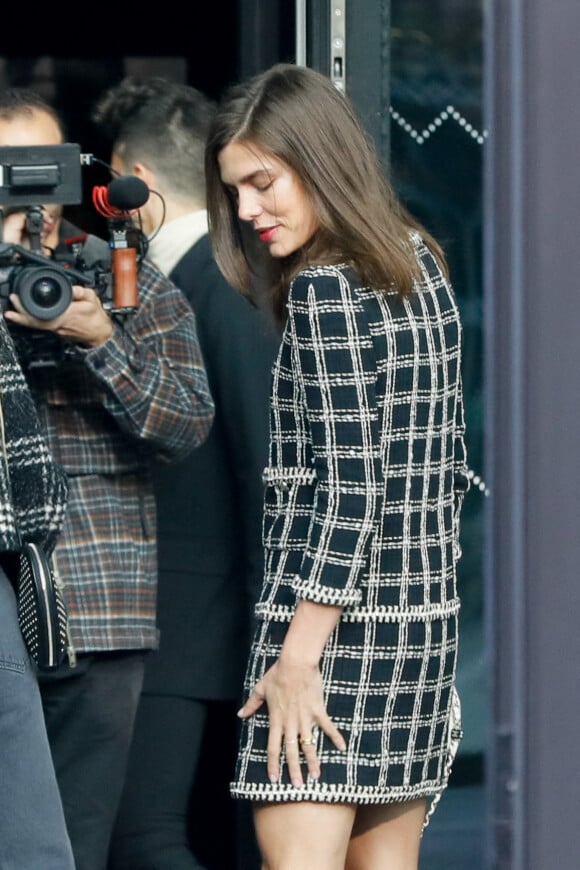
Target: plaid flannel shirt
[[109, 413]]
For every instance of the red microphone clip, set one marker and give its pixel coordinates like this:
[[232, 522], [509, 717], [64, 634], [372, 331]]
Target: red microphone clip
[[123, 257]]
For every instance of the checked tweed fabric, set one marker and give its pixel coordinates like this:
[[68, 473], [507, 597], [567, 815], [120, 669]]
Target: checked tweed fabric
[[33, 487], [363, 492]]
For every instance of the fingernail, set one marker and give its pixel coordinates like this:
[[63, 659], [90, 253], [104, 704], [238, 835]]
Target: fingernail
[[273, 778], [240, 712]]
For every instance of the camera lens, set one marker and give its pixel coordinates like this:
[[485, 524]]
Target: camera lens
[[45, 292]]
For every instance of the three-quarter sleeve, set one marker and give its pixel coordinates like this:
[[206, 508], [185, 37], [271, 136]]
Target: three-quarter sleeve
[[335, 371]]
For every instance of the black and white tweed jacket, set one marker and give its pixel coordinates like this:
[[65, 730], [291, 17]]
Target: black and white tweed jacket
[[367, 466], [33, 488]]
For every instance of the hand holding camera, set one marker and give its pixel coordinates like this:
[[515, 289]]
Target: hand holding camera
[[84, 321], [13, 226]]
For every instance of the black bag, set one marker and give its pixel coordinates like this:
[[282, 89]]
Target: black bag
[[42, 612]]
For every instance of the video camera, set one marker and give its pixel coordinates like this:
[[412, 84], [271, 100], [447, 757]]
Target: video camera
[[32, 176]]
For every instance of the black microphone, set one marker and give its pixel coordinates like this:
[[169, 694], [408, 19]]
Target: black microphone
[[124, 194], [127, 192]]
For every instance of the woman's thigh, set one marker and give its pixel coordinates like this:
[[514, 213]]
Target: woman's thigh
[[387, 835], [292, 836]]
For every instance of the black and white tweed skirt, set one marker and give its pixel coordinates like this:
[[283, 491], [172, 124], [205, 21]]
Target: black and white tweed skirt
[[390, 690]]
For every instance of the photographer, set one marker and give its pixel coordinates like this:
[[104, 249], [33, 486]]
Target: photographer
[[115, 395]]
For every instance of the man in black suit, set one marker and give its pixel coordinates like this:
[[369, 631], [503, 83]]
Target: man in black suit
[[176, 807]]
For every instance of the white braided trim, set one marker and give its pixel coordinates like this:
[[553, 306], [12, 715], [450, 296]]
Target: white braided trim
[[288, 474], [325, 594], [331, 793], [455, 734], [414, 613]]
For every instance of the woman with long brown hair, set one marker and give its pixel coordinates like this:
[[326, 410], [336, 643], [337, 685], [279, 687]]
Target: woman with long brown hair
[[351, 719]]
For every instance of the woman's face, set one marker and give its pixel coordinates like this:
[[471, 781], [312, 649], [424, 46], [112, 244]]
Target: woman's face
[[270, 196]]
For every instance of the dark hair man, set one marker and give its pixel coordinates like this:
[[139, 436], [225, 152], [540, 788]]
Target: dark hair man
[[210, 505]]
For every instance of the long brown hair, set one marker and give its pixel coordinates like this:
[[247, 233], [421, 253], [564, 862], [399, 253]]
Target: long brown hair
[[299, 116]]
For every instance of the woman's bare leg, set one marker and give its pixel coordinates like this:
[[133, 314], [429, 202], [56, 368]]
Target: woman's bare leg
[[305, 834], [387, 835]]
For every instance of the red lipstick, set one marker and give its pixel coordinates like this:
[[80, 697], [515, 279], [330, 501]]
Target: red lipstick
[[266, 233]]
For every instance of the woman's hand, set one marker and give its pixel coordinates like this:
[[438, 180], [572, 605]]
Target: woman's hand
[[293, 693]]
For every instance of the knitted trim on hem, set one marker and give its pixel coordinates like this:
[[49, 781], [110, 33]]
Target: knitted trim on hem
[[454, 737], [325, 793]]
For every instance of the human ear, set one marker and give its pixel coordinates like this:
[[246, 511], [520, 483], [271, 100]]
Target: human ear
[[142, 171]]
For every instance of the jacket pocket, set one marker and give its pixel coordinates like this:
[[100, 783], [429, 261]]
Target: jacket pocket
[[288, 506]]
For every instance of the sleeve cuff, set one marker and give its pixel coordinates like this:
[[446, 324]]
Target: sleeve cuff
[[326, 594]]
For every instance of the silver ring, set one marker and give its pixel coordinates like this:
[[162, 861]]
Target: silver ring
[[288, 742], [309, 742]]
